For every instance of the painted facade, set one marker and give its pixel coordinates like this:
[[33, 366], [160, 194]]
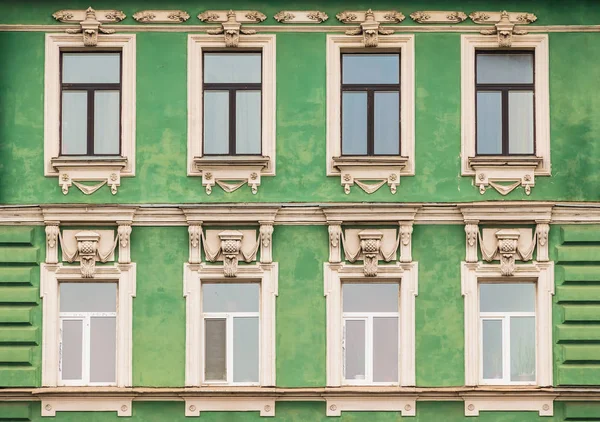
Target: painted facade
[[164, 225]]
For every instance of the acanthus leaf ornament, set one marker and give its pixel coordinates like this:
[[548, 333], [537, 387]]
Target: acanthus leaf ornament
[[436, 16], [300, 16], [231, 29], [317, 16], [284, 16], [87, 249], [370, 245], [90, 27], [231, 243], [504, 25], [370, 25]]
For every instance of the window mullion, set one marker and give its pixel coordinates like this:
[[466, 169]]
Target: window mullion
[[229, 348], [505, 122], [369, 349], [370, 122], [90, 121], [232, 107], [86, 350], [506, 347]]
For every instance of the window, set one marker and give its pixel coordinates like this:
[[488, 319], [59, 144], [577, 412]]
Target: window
[[91, 103], [231, 109], [370, 111], [89, 111], [370, 104], [370, 323], [232, 103], [88, 333], [231, 332], [505, 111], [507, 317]]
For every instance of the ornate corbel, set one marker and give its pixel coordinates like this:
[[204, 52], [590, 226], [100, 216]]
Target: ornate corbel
[[472, 233], [52, 239], [90, 27], [507, 248], [370, 245], [266, 238], [231, 27], [335, 248], [231, 244], [124, 232], [406, 242], [370, 27], [87, 248], [542, 230], [195, 232], [504, 28]]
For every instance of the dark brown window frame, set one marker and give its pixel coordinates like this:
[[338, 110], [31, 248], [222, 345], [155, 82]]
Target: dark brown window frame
[[370, 89], [232, 89], [504, 91], [90, 92]]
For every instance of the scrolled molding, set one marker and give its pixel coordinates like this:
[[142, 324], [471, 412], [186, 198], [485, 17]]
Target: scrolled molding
[[103, 16], [436, 16], [370, 24], [300, 16], [161, 16]]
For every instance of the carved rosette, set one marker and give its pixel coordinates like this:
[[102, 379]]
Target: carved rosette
[[507, 247], [87, 248], [231, 243], [370, 245]]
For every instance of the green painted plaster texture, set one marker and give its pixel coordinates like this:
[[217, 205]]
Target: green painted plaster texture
[[159, 307]]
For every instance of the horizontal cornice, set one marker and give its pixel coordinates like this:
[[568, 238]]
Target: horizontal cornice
[[304, 214]]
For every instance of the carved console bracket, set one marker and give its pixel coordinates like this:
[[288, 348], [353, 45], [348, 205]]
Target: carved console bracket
[[496, 171], [370, 24], [377, 171], [232, 174], [161, 16], [436, 16], [504, 24], [300, 16], [231, 23], [90, 22]]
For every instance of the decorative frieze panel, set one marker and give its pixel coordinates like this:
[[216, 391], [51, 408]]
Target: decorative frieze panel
[[300, 16], [231, 23], [436, 16], [161, 16], [90, 22], [370, 24], [103, 16], [504, 24]]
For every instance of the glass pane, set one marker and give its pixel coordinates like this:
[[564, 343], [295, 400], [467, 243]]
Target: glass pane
[[489, 122], [107, 110], [247, 122], [385, 349], [97, 68], [88, 297], [507, 297], [74, 122], [216, 122], [103, 349], [520, 122], [355, 350], [370, 297], [230, 297], [387, 127], [492, 349], [215, 347], [245, 349], [371, 68], [354, 123], [522, 348], [232, 67], [504, 68], [72, 349]]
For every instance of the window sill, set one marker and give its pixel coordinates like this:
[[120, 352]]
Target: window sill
[[104, 170], [506, 402], [232, 172], [517, 170], [380, 169], [121, 405]]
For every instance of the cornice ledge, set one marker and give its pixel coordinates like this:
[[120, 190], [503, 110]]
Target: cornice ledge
[[88, 214], [230, 215], [503, 212], [369, 213]]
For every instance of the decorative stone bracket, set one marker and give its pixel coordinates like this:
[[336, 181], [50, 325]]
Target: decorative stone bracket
[[504, 24], [493, 171], [231, 23], [90, 22], [231, 173], [377, 170], [88, 246], [230, 246], [73, 171], [370, 245], [370, 24], [507, 245]]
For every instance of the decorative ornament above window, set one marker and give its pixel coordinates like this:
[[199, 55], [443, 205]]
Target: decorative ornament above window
[[370, 24], [231, 23], [161, 16], [89, 22], [300, 16], [504, 23], [436, 16]]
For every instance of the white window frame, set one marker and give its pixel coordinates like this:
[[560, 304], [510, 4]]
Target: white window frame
[[406, 274], [71, 168], [505, 168], [197, 274], [388, 168], [228, 168], [541, 273], [504, 317], [51, 276]]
